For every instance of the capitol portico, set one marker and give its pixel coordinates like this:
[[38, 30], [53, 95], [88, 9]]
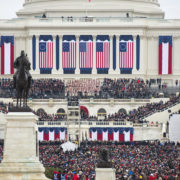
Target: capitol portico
[[138, 18]]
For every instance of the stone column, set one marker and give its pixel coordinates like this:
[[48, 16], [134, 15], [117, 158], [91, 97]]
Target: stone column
[[143, 55], [111, 55], [37, 55], [29, 52], [117, 55], [77, 71], [176, 56], [94, 55], [54, 71], [21, 158], [60, 55], [134, 71]]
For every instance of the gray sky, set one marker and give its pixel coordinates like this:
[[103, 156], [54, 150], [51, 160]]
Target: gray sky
[[9, 7]]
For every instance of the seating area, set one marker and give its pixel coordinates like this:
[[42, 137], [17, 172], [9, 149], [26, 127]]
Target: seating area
[[134, 115], [132, 160], [88, 88], [83, 88], [125, 88]]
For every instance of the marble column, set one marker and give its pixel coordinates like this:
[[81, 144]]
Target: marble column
[[37, 55], [94, 55], [77, 71], [111, 55], [134, 71], [54, 71], [117, 55], [60, 71]]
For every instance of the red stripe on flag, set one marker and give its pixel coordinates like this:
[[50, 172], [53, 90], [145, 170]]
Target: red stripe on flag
[[2, 59], [57, 136], [170, 60], [12, 59], [160, 59], [131, 137]]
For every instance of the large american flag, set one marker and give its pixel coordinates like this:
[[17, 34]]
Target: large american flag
[[126, 54], [69, 54], [45, 54], [86, 54], [102, 54], [7, 54]]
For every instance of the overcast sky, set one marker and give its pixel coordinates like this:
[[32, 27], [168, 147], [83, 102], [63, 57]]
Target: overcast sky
[[9, 7]]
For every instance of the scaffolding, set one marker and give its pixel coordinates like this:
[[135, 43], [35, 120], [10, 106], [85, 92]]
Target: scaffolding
[[73, 119]]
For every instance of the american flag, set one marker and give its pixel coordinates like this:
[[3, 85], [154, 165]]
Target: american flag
[[102, 54], [69, 54], [45, 54], [86, 54], [7, 54], [126, 54]]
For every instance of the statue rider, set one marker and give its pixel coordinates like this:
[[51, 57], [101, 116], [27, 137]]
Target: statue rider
[[27, 68]]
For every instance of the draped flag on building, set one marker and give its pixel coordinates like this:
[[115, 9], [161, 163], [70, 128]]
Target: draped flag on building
[[138, 52], [7, 54], [102, 54], [85, 54], [111, 134], [69, 54], [57, 52], [34, 52], [52, 134], [45, 54], [126, 54], [165, 54], [114, 52]]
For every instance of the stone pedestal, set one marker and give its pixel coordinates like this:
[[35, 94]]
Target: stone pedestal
[[21, 150], [105, 174]]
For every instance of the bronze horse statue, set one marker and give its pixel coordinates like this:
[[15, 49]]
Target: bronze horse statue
[[22, 79]]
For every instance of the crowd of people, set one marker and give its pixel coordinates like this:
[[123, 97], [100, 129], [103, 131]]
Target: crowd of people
[[132, 161], [125, 88], [134, 115], [40, 89], [83, 88]]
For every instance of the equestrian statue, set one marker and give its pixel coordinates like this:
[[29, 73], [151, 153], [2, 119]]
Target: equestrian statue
[[22, 78]]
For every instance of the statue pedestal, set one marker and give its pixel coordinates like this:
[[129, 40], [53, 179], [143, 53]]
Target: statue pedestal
[[105, 174], [21, 149]]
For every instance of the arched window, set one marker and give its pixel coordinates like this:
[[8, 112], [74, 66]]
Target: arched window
[[101, 112], [84, 112], [61, 114], [122, 110], [61, 111], [40, 111]]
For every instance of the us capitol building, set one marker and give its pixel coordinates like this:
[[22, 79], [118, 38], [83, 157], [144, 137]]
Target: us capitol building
[[142, 21], [96, 39]]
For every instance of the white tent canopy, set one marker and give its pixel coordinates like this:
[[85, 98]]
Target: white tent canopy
[[69, 146]]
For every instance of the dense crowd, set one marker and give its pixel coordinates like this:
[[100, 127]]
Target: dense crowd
[[40, 89], [125, 88], [132, 161], [83, 88], [135, 115]]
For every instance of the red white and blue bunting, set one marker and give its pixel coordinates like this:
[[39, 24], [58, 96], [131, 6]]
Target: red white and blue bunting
[[52, 134], [111, 134]]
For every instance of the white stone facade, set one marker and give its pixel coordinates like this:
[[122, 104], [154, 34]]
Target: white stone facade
[[148, 27]]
